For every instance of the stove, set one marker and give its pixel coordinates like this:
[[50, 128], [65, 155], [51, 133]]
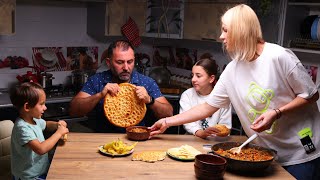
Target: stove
[[60, 91]]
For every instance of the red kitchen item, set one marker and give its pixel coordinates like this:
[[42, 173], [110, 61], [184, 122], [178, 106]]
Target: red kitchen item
[[131, 31]]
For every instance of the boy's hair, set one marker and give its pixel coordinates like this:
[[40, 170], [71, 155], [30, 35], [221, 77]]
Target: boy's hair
[[27, 92]]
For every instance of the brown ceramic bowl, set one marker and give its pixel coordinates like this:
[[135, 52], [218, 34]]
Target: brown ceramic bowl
[[204, 175], [138, 133], [212, 163]]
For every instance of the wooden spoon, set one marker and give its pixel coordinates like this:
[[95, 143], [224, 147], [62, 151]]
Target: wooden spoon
[[237, 150]]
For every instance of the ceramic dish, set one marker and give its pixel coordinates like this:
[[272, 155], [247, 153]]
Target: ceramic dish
[[179, 158], [103, 151], [49, 58]]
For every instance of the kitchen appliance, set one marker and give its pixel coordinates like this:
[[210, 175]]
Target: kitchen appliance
[[161, 75]]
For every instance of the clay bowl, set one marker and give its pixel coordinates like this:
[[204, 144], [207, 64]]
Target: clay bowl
[[212, 163], [203, 174], [138, 133]]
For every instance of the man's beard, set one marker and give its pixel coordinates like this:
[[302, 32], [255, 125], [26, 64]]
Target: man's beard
[[124, 76], [119, 78]]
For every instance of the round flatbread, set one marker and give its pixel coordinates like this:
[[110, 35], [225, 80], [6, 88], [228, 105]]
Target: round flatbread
[[125, 109], [224, 131]]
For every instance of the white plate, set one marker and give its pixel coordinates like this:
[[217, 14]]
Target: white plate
[[114, 155], [179, 158], [49, 58]]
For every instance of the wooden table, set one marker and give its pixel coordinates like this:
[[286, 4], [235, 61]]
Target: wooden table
[[79, 158]]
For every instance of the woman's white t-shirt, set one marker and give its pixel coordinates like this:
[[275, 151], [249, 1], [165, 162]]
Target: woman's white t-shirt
[[272, 81]]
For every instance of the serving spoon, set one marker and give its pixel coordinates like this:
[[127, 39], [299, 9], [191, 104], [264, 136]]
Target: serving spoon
[[237, 150]]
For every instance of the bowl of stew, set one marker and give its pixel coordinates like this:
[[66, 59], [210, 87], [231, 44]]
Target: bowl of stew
[[138, 133], [252, 158]]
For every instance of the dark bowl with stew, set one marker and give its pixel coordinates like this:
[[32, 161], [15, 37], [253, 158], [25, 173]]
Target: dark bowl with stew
[[263, 157], [138, 133]]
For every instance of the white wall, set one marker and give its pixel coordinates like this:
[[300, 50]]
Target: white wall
[[61, 25], [45, 26]]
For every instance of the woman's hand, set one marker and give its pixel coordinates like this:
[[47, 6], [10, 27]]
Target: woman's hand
[[264, 121], [158, 127]]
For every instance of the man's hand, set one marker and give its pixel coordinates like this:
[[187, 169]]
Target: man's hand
[[143, 94], [111, 88]]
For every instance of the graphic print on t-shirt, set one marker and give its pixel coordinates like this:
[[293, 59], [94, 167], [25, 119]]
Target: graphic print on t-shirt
[[258, 99]]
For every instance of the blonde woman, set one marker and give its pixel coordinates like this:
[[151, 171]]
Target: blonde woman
[[270, 91]]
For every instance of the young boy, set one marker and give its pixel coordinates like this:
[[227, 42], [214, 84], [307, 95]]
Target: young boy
[[29, 148]]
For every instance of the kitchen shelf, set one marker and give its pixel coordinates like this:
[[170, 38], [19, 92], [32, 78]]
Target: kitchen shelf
[[303, 4], [305, 50]]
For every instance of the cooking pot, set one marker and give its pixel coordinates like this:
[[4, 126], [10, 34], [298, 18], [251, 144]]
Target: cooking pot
[[79, 77], [46, 80], [240, 165]]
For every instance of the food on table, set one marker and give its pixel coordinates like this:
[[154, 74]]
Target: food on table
[[138, 130], [246, 154], [117, 147], [224, 131], [184, 152], [138, 133], [125, 109], [149, 156]]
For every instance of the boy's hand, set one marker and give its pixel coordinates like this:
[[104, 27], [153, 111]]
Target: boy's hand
[[62, 123], [62, 130]]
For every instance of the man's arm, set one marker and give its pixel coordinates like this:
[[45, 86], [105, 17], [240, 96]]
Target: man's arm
[[83, 103], [161, 107]]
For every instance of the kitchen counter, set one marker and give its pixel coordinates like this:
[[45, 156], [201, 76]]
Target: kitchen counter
[[5, 99], [79, 158], [6, 102]]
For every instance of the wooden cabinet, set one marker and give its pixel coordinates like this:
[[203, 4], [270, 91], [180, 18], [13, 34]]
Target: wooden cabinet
[[7, 17], [106, 19], [202, 18]]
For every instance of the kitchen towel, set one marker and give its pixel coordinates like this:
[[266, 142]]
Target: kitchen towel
[[131, 31]]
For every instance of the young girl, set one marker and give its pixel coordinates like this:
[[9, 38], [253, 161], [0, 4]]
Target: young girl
[[29, 148], [204, 77]]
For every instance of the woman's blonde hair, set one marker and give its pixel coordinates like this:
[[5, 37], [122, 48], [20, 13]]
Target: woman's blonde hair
[[244, 32]]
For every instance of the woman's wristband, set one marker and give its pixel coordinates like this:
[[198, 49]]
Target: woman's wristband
[[278, 113]]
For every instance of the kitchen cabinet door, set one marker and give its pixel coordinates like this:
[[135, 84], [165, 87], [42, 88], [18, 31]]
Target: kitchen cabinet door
[[202, 20], [106, 19], [7, 17]]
